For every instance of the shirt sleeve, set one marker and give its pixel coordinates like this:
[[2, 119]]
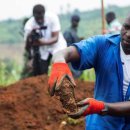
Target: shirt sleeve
[[87, 50], [55, 23]]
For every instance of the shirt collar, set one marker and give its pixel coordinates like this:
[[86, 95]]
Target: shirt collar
[[114, 39]]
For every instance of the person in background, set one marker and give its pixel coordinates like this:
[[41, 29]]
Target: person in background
[[71, 37], [27, 70], [109, 55], [43, 38], [114, 26]]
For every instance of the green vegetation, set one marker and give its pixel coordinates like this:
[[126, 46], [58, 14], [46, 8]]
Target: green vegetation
[[91, 21], [9, 72], [88, 75], [90, 24], [10, 31]]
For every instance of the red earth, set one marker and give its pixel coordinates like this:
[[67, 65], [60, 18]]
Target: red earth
[[26, 105]]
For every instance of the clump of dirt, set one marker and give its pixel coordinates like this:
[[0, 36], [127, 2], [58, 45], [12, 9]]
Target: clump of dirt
[[67, 96], [26, 105]]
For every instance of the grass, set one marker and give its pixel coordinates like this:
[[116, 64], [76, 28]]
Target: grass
[[9, 72], [11, 63], [88, 75]]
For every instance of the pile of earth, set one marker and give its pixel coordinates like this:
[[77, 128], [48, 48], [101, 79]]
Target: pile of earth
[[26, 105]]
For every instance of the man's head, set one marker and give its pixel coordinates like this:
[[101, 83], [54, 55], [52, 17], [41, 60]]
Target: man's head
[[75, 21], [38, 13], [110, 16], [125, 35]]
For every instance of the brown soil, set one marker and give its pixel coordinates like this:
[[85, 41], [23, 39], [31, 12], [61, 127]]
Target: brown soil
[[26, 105], [67, 96]]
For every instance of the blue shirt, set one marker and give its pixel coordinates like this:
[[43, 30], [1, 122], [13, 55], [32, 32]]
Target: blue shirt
[[103, 54]]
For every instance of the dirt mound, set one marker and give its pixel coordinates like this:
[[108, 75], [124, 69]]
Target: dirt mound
[[26, 105]]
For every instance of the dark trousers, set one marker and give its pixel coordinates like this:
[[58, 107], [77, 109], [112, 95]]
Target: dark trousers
[[41, 66]]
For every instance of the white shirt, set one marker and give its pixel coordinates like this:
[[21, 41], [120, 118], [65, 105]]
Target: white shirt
[[114, 27], [126, 70], [53, 24]]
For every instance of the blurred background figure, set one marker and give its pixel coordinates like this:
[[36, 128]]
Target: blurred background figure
[[71, 36], [26, 71], [114, 26], [43, 38]]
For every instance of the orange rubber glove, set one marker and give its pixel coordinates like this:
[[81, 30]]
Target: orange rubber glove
[[58, 73], [88, 106]]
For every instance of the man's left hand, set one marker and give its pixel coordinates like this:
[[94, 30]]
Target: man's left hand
[[88, 106]]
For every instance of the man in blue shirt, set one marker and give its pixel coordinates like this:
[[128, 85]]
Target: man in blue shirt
[[109, 55]]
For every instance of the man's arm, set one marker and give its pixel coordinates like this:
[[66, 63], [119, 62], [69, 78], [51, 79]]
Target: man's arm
[[92, 106], [60, 69], [52, 40], [118, 109], [66, 55], [82, 55]]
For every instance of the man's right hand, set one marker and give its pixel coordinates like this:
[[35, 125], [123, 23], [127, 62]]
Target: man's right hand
[[58, 72]]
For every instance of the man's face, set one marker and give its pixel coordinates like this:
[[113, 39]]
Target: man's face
[[125, 36], [75, 23], [39, 17], [108, 20]]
